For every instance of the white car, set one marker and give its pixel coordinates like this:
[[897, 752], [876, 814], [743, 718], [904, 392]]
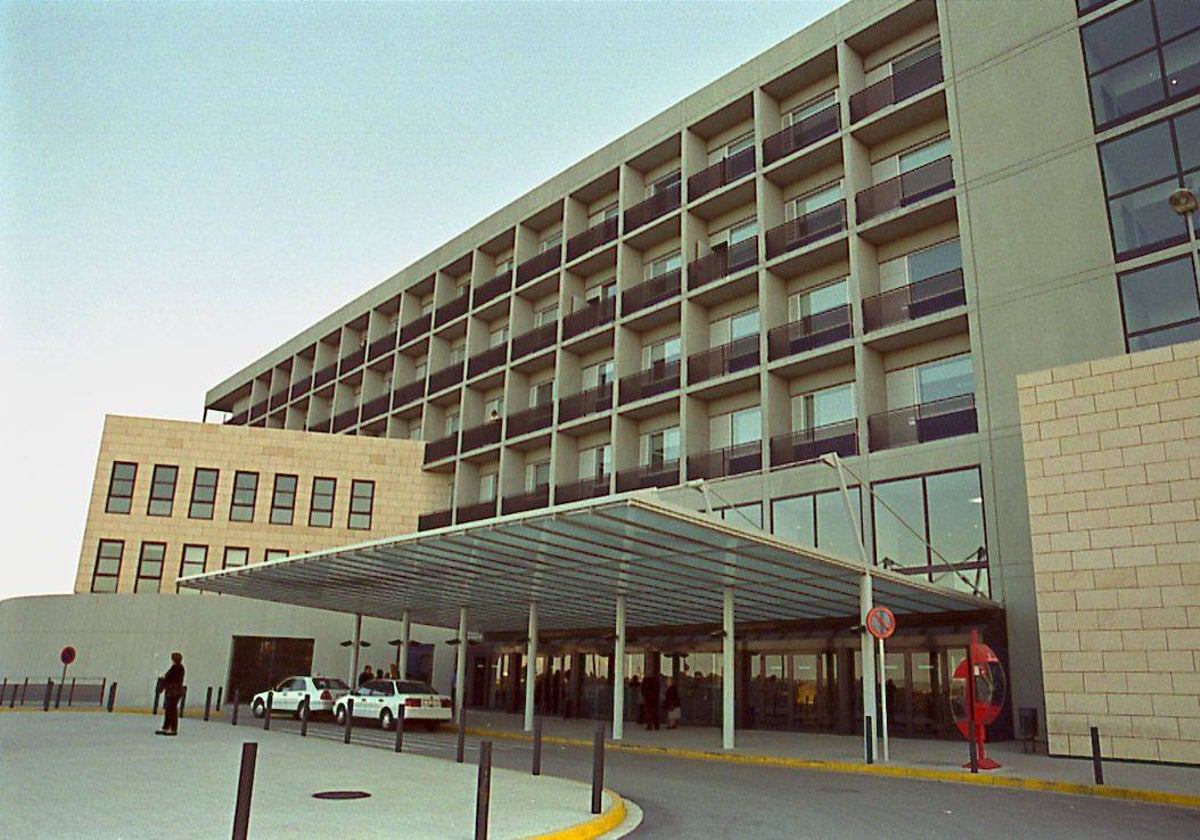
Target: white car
[[290, 693], [381, 700]]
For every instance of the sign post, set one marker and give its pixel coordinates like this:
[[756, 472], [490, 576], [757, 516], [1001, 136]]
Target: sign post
[[881, 623], [67, 656]]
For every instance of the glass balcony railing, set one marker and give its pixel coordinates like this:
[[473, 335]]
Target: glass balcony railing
[[587, 488], [740, 354], [723, 172], [590, 401], [416, 328], [722, 262], [661, 378], [811, 227], [653, 208], [896, 88], [535, 267], [592, 238], [800, 134], [916, 300], [906, 189], [810, 332], [654, 474], [922, 423], [730, 460], [809, 444], [655, 290], [594, 314]]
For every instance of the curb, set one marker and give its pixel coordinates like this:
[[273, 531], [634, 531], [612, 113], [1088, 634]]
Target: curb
[[595, 827]]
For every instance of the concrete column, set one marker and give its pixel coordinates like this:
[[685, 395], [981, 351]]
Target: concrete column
[[618, 726], [531, 667], [866, 601], [355, 644], [460, 671], [405, 640], [728, 677]]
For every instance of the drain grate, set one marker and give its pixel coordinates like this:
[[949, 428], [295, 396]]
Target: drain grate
[[341, 794]]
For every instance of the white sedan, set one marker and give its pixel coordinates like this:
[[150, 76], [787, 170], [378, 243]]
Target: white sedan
[[290, 693], [381, 700]]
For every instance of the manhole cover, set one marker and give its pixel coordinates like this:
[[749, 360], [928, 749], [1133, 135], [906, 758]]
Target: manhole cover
[[341, 794]]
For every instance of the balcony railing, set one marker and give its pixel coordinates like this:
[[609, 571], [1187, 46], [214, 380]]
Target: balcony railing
[[406, 394], [800, 134], [258, 409], [807, 444], [483, 435], [652, 208], [416, 328], [441, 448], [655, 290], [722, 262], [441, 379], [811, 227], [492, 289], [238, 419], [539, 497], [302, 386], [447, 312], [322, 426], [325, 375], [491, 358], [353, 359], [475, 512], [591, 401], [374, 407], [661, 474], [739, 354], [924, 297], [588, 488], [896, 88], [661, 378], [381, 346], [810, 332], [538, 338], [539, 265], [434, 519], [909, 188], [922, 423], [594, 314], [530, 419], [278, 398], [731, 460], [592, 238], [345, 419], [725, 171]]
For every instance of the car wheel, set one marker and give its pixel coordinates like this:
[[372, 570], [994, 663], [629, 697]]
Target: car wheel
[[340, 714], [432, 725], [259, 708], [386, 721]]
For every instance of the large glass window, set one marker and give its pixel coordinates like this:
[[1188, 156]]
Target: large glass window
[[235, 557], [192, 562], [823, 408], [245, 493], [1161, 304], [107, 572], [120, 487], [362, 504], [324, 491], [204, 493], [283, 500], [150, 567], [821, 520], [661, 448], [162, 490]]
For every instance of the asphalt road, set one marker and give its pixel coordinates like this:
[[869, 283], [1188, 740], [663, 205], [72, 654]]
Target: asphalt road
[[688, 798]]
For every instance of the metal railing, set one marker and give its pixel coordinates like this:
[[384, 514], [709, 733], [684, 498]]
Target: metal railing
[[539, 497], [416, 328], [445, 377], [382, 346], [374, 407], [489, 359], [809, 332], [587, 488], [353, 359], [435, 519], [441, 448], [536, 266], [345, 419], [589, 401], [725, 171], [915, 300], [325, 375], [739, 354], [653, 207], [652, 291], [811, 227], [452, 309], [807, 444], [661, 474], [661, 378], [489, 290], [922, 423], [409, 393], [896, 88], [595, 314], [475, 512], [903, 190], [530, 419], [729, 460], [534, 340], [484, 434], [592, 238], [302, 386], [807, 131], [722, 262]]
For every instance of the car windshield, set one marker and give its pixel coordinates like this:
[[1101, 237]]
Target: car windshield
[[414, 687], [331, 683]]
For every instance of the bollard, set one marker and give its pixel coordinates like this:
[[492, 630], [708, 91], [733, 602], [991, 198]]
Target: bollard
[[483, 790], [182, 700], [220, 690], [4, 690], [267, 714], [462, 734], [233, 717], [112, 696], [103, 685], [46, 699], [400, 729], [597, 768], [58, 696], [973, 749], [71, 693], [537, 745], [349, 720], [207, 704], [305, 714], [1097, 762], [867, 724], [241, 813], [24, 688]]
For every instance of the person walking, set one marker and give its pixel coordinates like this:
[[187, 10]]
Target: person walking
[[672, 704], [172, 686]]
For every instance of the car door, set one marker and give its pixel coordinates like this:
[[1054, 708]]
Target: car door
[[366, 704], [288, 696]]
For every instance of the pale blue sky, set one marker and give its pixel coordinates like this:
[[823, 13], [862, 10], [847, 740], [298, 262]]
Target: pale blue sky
[[184, 186]]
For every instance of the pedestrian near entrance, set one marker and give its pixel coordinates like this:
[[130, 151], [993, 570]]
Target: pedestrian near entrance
[[172, 686], [650, 700], [671, 703], [367, 675]]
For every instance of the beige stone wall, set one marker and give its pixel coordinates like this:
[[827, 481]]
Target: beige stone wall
[[402, 490], [1112, 456]]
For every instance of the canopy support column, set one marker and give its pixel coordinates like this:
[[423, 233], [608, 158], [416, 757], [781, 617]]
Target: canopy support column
[[531, 667], [866, 600], [355, 644], [405, 640], [618, 721], [460, 670], [729, 672]]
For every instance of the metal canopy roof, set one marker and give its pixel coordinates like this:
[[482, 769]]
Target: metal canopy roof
[[671, 565]]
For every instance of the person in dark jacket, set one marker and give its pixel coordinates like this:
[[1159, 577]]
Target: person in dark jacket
[[650, 700], [172, 686], [367, 675], [672, 704]]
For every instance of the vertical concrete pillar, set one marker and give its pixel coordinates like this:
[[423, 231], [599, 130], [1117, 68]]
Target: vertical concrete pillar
[[460, 670], [866, 600], [355, 644], [618, 723], [531, 667], [405, 641], [729, 673]]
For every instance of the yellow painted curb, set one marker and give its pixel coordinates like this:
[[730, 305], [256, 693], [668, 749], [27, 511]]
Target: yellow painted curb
[[595, 827]]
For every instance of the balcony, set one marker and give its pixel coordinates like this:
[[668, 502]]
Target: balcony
[[434, 519], [916, 300], [739, 354], [302, 386], [477, 437], [345, 419], [238, 419], [353, 359], [439, 380], [810, 332], [652, 208], [530, 420], [809, 130], [278, 398], [723, 172], [475, 512], [731, 460], [588, 488], [441, 448], [489, 359], [373, 408], [590, 401], [535, 340], [901, 85], [923, 423], [592, 238], [539, 497], [492, 289], [258, 409], [660, 474], [655, 290], [811, 227], [722, 262], [324, 375], [661, 378], [595, 314], [537, 266], [447, 312], [909, 188], [381, 346], [322, 426], [809, 444], [406, 394], [416, 328]]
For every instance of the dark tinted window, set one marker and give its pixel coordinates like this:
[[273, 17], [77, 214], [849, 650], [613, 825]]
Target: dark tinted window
[[1161, 304]]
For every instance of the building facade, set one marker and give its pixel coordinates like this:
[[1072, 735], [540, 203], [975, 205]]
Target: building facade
[[855, 242]]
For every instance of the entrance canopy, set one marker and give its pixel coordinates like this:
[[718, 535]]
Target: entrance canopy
[[672, 566]]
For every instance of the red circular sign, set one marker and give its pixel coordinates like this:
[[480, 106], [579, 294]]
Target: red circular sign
[[881, 622], [68, 655]]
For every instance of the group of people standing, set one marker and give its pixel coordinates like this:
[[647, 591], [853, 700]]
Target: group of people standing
[[369, 673], [649, 711]]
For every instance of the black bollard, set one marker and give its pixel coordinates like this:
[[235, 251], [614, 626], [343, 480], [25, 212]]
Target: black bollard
[[462, 734], [112, 696], [537, 745], [207, 704], [103, 684], [869, 741], [46, 699], [24, 688], [241, 813], [483, 790], [58, 696], [1097, 762], [71, 693], [220, 690], [305, 714], [4, 691], [267, 714], [233, 717], [349, 720], [597, 768], [973, 750], [400, 729]]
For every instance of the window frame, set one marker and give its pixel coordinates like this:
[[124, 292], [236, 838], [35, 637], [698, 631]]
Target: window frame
[[115, 577], [113, 495], [197, 487], [235, 505], [277, 493], [183, 564], [245, 551], [369, 513], [142, 560], [313, 510], [159, 498]]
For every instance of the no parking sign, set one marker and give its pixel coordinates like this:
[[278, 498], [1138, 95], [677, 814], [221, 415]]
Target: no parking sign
[[68, 655]]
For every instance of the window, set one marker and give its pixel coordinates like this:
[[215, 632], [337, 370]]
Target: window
[[120, 487], [150, 567], [808, 109], [744, 516], [162, 490], [204, 493], [821, 520], [283, 500], [602, 291], [235, 557], [740, 144], [811, 302], [1160, 304], [498, 336], [537, 476], [546, 315], [451, 424], [320, 512], [274, 554], [608, 211], [1141, 56], [598, 374], [487, 487], [741, 325], [661, 448], [245, 493], [735, 428], [596, 462], [813, 201], [542, 393], [664, 183], [939, 380], [664, 265], [107, 572], [192, 562], [550, 242], [823, 408], [662, 352], [362, 502], [916, 56], [458, 351], [493, 408]]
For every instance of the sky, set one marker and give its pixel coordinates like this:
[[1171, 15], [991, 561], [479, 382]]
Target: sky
[[185, 186]]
